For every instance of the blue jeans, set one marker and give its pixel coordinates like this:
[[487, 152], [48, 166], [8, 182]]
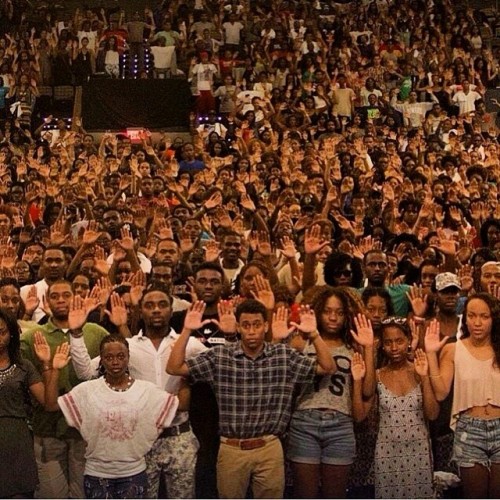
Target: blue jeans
[[321, 437], [121, 487], [477, 441]]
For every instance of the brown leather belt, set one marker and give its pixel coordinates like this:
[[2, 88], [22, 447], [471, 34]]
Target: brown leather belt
[[248, 444]]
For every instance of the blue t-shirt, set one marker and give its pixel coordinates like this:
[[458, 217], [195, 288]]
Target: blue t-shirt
[[191, 166]]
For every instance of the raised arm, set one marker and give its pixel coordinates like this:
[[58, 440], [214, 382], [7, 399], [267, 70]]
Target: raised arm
[[431, 405], [308, 329], [441, 371], [365, 338], [176, 364], [85, 367]]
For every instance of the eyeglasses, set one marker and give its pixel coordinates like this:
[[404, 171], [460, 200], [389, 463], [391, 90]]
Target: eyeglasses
[[347, 273]]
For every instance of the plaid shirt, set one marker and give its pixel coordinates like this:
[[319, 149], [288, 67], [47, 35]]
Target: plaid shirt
[[254, 395]]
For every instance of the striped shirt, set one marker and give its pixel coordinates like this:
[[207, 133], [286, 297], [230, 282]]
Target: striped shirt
[[254, 395]]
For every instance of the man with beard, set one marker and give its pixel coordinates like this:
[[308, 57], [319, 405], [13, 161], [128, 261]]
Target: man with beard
[[52, 269], [59, 450], [208, 287], [376, 272], [173, 456]]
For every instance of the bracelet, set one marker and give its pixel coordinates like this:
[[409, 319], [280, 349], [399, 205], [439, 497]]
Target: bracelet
[[46, 368], [418, 319], [435, 376], [76, 334]]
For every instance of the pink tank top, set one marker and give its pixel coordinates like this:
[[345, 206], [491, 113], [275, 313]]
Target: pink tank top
[[477, 382]]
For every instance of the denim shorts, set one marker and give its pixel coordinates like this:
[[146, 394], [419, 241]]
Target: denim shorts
[[321, 437], [121, 487], [477, 441]]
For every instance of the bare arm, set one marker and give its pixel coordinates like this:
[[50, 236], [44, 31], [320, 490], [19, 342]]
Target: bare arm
[[442, 371]]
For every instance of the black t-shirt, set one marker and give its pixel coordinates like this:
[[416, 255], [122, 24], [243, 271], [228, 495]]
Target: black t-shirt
[[209, 335]]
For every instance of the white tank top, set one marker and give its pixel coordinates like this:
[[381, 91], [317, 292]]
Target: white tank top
[[477, 382]]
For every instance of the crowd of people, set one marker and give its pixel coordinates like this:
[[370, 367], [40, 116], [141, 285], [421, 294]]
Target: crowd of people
[[300, 301]]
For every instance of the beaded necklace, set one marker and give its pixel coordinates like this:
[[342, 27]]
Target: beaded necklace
[[7, 373], [118, 389]]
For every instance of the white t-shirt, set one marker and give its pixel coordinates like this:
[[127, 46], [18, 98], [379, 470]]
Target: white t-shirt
[[112, 57], [118, 427], [466, 102], [163, 56], [204, 75], [232, 32]]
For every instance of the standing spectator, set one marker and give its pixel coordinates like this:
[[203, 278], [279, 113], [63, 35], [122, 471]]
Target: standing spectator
[[135, 40], [466, 99], [16, 375], [232, 32], [470, 366], [403, 467], [343, 98], [204, 73], [59, 451], [119, 417], [251, 417]]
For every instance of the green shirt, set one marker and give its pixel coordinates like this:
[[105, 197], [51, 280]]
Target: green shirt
[[399, 299], [53, 424]]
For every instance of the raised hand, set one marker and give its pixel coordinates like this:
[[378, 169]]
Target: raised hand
[[32, 301], [466, 278], [164, 230], [418, 300], [288, 247], [279, 325], [420, 363], [57, 235], [247, 203], [61, 357], [227, 319], [194, 315], [263, 293], [358, 368], [138, 285], [9, 257], [264, 243], [363, 334], [433, 342], [126, 241], [308, 323], [186, 244], [78, 313], [118, 314], [42, 348], [214, 201], [90, 236], [314, 240], [212, 250]]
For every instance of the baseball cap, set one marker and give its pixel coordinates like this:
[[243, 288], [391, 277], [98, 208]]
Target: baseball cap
[[447, 280]]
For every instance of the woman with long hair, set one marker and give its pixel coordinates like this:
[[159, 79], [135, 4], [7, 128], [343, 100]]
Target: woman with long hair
[[321, 443], [472, 365], [18, 381]]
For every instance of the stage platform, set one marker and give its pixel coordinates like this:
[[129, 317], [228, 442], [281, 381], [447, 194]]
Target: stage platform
[[112, 104]]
